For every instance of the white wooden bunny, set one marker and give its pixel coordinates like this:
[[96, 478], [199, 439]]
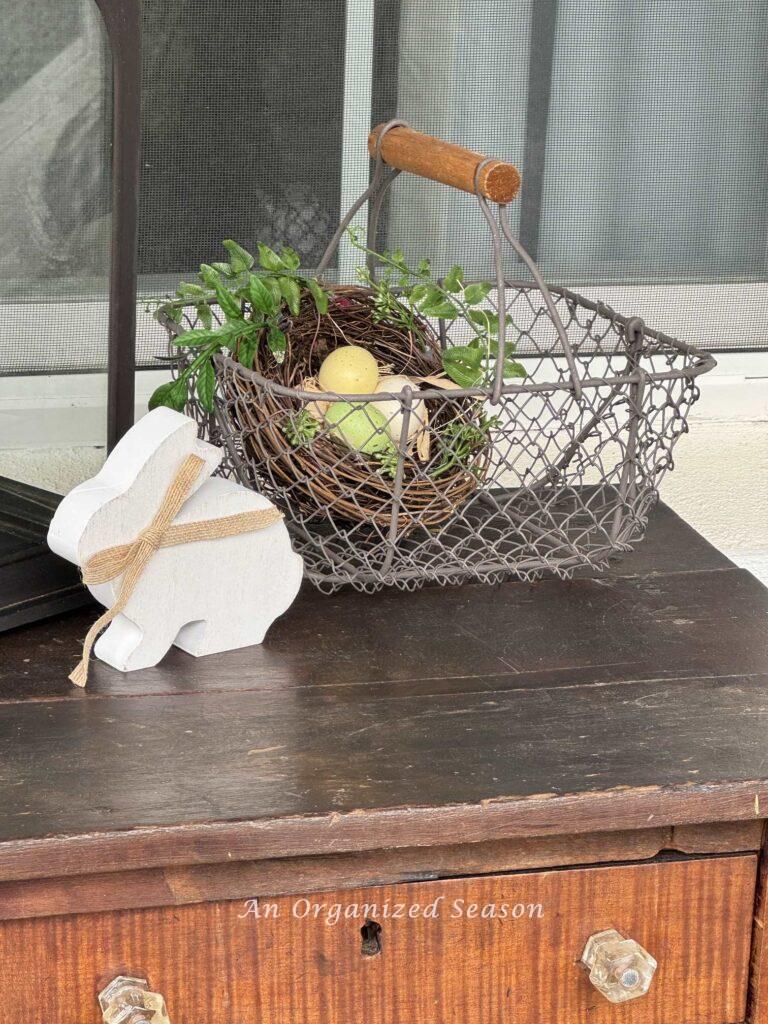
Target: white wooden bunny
[[177, 556]]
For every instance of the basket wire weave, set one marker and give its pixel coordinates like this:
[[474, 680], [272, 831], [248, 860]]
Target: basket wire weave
[[565, 477]]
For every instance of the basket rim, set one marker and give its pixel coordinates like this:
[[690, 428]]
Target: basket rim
[[225, 362], [704, 361]]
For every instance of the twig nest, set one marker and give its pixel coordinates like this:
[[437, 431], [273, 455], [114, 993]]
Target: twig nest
[[332, 468], [316, 410], [392, 410]]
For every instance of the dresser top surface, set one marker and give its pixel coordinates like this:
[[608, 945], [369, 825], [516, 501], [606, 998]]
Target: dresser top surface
[[635, 698]]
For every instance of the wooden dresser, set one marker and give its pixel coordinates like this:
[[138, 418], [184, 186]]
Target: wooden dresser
[[402, 809]]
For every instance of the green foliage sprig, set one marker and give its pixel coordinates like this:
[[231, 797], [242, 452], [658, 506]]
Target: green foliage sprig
[[253, 303], [460, 442], [301, 429], [403, 294]]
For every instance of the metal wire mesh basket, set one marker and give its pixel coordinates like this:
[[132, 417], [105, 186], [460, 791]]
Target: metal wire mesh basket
[[557, 471]]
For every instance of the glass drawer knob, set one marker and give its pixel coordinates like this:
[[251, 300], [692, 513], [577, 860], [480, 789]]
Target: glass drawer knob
[[619, 968], [129, 1001]]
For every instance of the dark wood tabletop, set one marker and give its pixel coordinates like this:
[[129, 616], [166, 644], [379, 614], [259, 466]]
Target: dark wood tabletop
[[628, 700]]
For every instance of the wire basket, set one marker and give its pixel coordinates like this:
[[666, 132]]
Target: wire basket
[[556, 471]]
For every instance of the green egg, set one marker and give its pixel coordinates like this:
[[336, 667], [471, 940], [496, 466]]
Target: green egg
[[362, 427]]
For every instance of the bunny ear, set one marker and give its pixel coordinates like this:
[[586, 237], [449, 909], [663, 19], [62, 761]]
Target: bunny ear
[[118, 502]]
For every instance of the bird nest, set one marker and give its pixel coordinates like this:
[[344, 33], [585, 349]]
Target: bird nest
[[305, 464]]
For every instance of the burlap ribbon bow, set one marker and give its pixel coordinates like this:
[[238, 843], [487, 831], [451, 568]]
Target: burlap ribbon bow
[[130, 560]]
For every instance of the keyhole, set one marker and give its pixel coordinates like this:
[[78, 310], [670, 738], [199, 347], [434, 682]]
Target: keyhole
[[371, 933]]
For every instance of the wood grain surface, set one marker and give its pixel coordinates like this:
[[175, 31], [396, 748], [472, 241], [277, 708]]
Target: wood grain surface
[[213, 964], [294, 772], [198, 883], [757, 1006], [446, 162], [352, 639], [633, 700]]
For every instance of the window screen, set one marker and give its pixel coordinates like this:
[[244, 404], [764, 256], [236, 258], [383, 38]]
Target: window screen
[[243, 113], [642, 136], [55, 183], [640, 129]]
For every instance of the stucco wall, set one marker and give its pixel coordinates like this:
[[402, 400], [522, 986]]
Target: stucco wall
[[720, 483], [720, 480]]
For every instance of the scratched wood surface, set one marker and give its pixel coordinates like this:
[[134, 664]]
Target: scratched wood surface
[[637, 699], [214, 962], [232, 879]]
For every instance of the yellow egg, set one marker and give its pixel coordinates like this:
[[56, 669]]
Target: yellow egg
[[349, 370]]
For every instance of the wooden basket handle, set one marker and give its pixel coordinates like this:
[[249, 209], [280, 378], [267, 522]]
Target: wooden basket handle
[[432, 158]]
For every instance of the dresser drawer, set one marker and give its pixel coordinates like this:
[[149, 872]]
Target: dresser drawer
[[484, 950]]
